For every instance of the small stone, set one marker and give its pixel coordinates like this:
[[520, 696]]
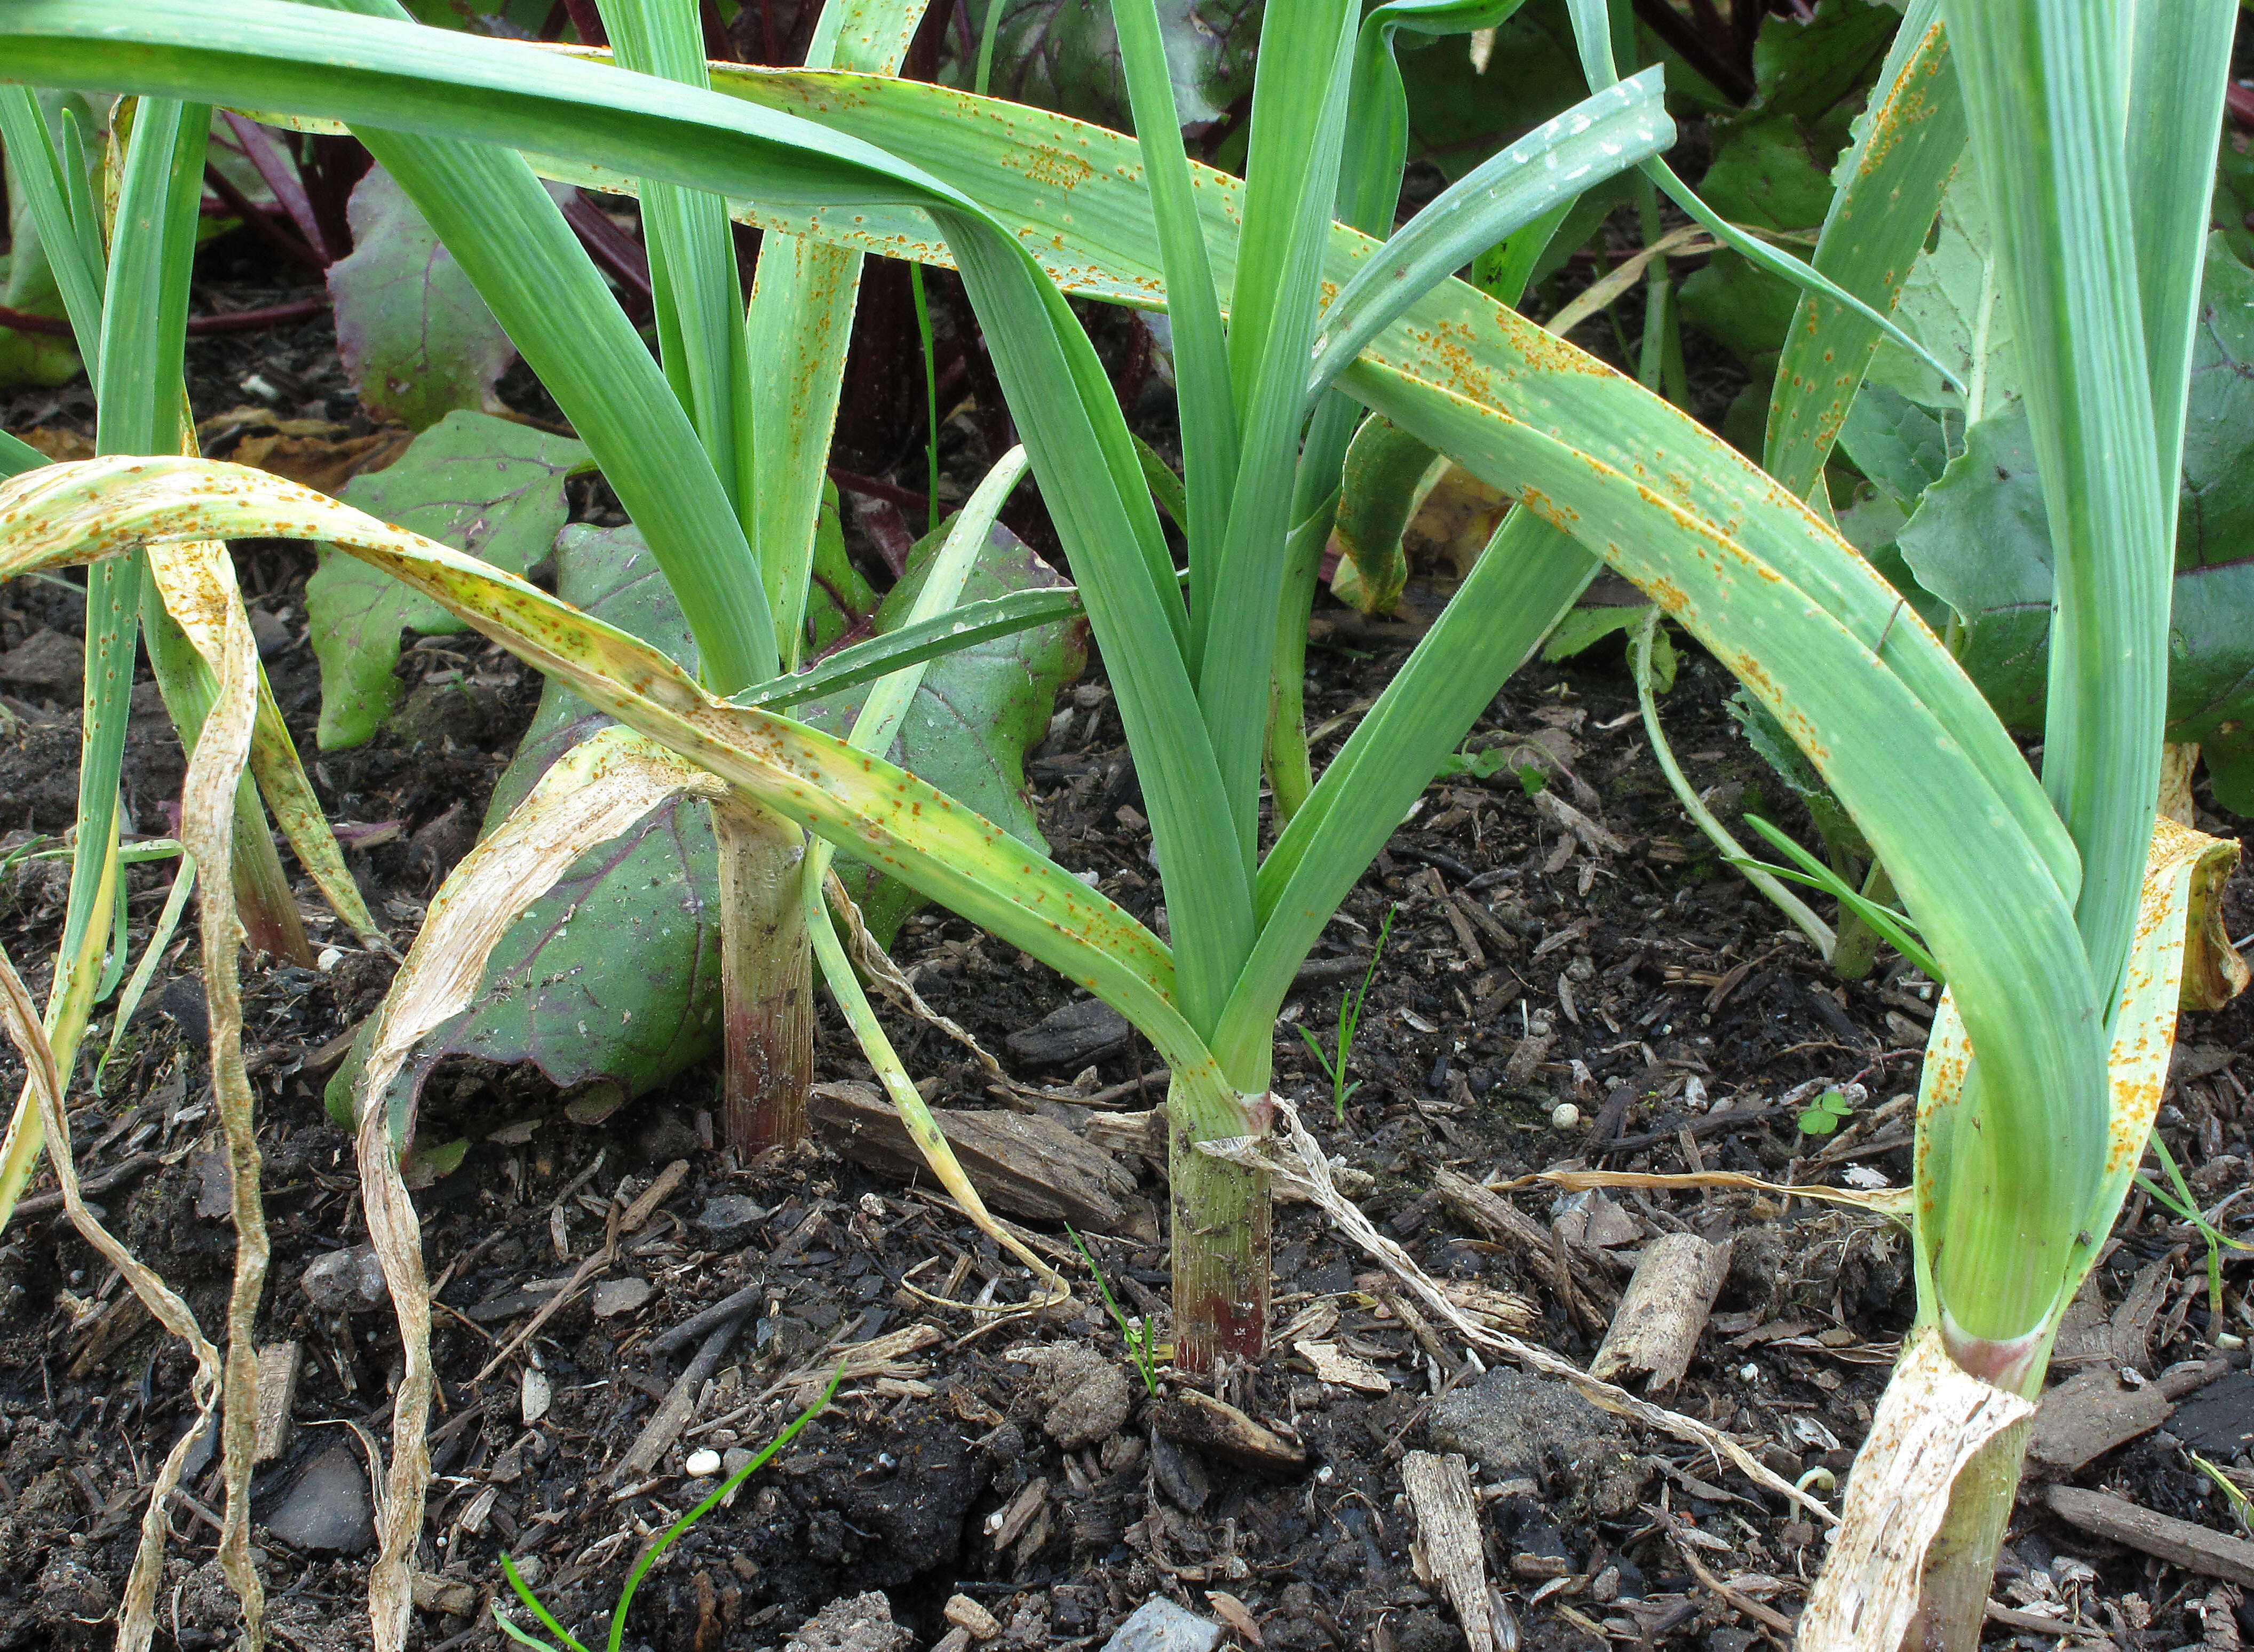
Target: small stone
[[1518, 1425], [862, 1623], [344, 1281], [46, 659], [702, 1463], [734, 1457], [1086, 1397], [450, 1595], [727, 1220], [1160, 1626], [329, 959], [328, 1511], [1564, 1116], [973, 1618], [214, 1187], [614, 1297], [270, 632], [1072, 1036]]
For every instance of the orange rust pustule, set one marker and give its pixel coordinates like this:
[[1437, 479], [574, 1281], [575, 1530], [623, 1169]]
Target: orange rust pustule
[[1548, 510]]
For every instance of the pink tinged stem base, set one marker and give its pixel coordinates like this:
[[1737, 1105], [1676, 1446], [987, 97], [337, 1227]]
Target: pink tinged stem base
[[1961, 1565], [767, 979], [1222, 1237], [272, 923]]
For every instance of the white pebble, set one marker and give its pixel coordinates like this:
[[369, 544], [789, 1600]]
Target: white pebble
[[330, 958], [702, 1463], [1564, 1116], [1749, 1373]]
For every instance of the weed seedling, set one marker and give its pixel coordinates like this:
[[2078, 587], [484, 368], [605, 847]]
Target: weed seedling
[[1349, 1018], [2186, 1208], [1831, 1110], [649, 1558], [2241, 1505], [1135, 1333], [1484, 766]]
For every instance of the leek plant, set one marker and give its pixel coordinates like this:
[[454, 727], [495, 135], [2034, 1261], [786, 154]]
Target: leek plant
[[122, 259], [2098, 125]]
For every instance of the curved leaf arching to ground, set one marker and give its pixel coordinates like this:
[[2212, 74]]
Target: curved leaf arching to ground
[[97, 508], [1867, 691]]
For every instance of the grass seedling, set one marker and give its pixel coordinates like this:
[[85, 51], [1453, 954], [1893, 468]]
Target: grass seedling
[[1893, 926], [2186, 1209], [649, 1557], [1135, 1333], [1350, 1019], [2241, 1505]]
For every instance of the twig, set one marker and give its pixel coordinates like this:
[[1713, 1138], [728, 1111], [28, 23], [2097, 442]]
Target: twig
[[726, 1310], [672, 1415], [88, 1186], [587, 1269], [1768, 1617]]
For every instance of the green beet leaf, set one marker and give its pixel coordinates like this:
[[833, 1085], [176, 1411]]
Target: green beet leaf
[[1064, 55], [1953, 304], [1981, 540], [614, 974], [417, 341], [490, 486]]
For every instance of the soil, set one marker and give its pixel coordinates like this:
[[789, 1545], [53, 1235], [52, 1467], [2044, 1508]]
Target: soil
[[1542, 998]]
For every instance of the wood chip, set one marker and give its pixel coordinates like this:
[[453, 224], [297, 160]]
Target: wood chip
[[971, 1618], [1235, 1614], [1447, 1550], [1025, 1164], [1334, 1364], [2212, 1554], [1192, 1418], [656, 1193], [672, 1414], [536, 1394], [1007, 1522], [1528, 1053], [1656, 1328], [2090, 1413], [878, 1357], [278, 1364], [2132, 1321], [1571, 820]]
